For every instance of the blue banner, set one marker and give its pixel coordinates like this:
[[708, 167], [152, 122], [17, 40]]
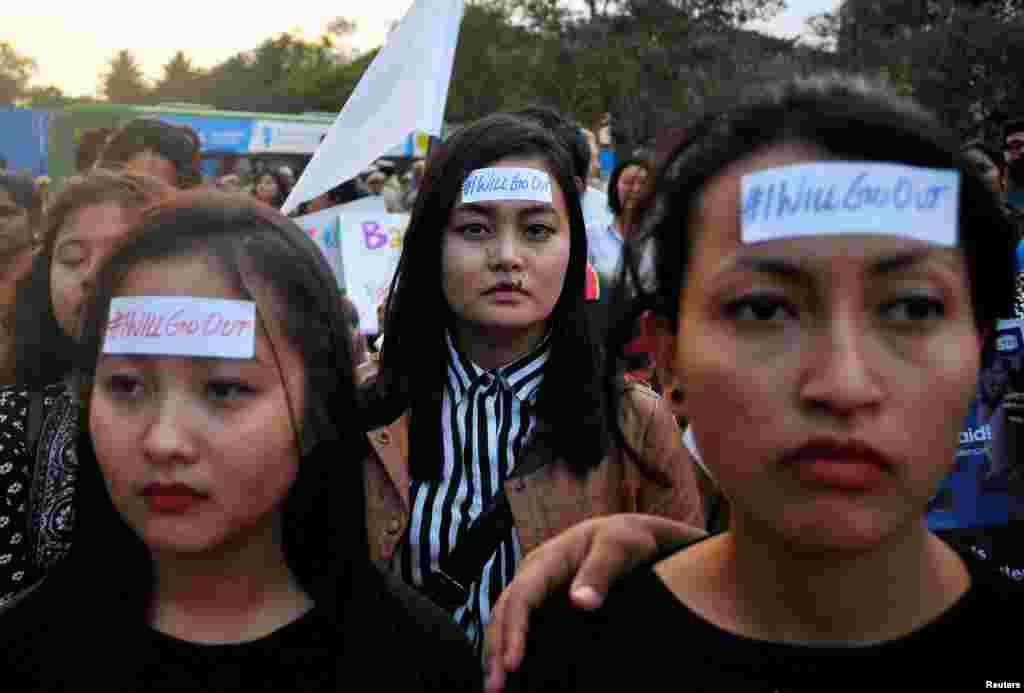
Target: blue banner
[[230, 135], [24, 139]]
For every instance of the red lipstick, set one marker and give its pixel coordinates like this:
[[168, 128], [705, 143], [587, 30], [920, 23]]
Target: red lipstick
[[172, 499], [842, 465]]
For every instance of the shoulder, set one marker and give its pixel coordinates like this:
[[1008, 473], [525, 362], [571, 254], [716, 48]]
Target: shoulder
[[446, 658], [570, 649]]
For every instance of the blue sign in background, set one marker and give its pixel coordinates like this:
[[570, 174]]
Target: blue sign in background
[[231, 135], [24, 139]]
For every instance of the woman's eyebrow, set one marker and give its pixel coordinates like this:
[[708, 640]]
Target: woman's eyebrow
[[538, 209], [899, 261]]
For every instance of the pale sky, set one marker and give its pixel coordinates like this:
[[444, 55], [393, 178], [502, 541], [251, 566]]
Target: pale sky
[[72, 41]]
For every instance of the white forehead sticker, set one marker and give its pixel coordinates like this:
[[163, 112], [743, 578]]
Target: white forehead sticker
[[827, 198], [489, 184], [181, 326]]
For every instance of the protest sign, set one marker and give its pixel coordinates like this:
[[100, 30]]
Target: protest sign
[[181, 326], [323, 228], [985, 485], [371, 244], [403, 90], [826, 198]]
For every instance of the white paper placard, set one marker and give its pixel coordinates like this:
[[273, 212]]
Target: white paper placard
[[181, 326], [371, 245], [506, 183], [404, 90], [826, 198]]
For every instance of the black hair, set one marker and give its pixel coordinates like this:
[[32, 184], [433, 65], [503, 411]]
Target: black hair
[[990, 152], [413, 363], [90, 147], [846, 117], [22, 189], [324, 517], [566, 131], [614, 203], [282, 186], [178, 144]]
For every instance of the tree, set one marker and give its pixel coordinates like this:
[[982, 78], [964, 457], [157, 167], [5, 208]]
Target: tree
[[15, 72], [180, 82], [45, 97], [123, 82], [959, 58]]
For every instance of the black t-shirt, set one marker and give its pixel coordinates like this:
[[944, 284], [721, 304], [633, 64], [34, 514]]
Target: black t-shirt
[[298, 656], [645, 639], [416, 648]]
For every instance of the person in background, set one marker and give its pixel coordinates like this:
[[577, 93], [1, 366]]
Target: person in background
[[90, 147], [270, 188], [154, 148], [84, 224], [212, 568], [17, 190], [230, 183], [17, 245], [288, 175], [1013, 152]]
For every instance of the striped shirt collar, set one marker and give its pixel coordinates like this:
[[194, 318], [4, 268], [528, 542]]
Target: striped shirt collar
[[522, 377]]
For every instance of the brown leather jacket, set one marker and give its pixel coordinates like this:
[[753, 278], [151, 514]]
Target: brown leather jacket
[[550, 498]]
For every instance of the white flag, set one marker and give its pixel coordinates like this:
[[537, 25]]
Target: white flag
[[404, 89]]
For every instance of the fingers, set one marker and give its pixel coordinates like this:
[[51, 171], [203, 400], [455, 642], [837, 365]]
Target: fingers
[[545, 570]]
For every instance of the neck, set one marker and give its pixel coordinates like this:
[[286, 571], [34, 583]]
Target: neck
[[233, 594], [862, 597], [764, 590], [492, 348]]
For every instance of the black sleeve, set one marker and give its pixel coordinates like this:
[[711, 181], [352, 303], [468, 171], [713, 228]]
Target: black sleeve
[[438, 647]]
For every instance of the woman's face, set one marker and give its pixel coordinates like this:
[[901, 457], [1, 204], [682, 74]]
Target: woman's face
[[987, 169], [175, 436], [490, 248], [630, 185], [826, 376], [87, 238], [152, 164], [266, 189]]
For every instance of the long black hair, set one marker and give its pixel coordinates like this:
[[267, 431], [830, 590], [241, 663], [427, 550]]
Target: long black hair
[[844, 116], [108, 576], [412, 373]]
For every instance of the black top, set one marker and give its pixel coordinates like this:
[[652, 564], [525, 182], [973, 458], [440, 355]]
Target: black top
[[645, 639], [415, 647]]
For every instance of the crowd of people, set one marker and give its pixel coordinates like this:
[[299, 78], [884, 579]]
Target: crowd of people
[[207, 484]]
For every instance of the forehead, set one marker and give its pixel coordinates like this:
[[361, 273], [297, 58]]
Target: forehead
[[1015, 136], [106, 220], [717, 216]]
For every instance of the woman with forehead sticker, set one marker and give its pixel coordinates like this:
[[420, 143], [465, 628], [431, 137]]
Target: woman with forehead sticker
[[221, 541], [492, 431], [825, 275]]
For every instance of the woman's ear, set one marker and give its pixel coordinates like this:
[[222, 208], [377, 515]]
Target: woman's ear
[[664, 338]]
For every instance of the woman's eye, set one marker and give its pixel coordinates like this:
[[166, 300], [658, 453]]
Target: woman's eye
[[125, 386], [539, 232], [914, 309], [228, 390], [759, 309], [473, 230]]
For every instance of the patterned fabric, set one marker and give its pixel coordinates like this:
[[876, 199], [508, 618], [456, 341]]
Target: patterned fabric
[[486, 418], [35, 508]]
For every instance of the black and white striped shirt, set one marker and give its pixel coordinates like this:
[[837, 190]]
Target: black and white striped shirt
[[486, 419]]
